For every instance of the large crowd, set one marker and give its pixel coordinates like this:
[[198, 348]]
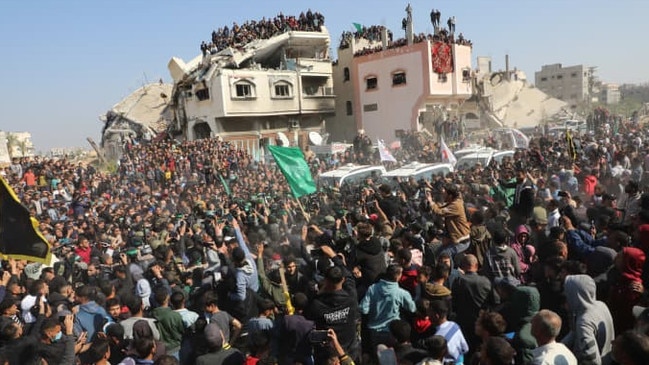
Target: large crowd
[[238, 36], [442, 36], [195, 253]]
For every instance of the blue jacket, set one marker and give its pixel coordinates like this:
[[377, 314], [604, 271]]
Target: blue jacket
[[383, 303], [91, 318], [246, 276]]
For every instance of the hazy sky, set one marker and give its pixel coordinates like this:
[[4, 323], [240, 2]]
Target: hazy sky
[[66, 62]]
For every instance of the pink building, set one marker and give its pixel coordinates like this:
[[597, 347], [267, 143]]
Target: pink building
[[402, 88]]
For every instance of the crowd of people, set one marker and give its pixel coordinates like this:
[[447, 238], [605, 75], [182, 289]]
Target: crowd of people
[[441, 36], [372, 33], [195, 253], [239, 35]]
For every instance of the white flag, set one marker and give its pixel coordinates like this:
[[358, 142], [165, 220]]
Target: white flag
[[385, 152], [520, 139], [447, 154]]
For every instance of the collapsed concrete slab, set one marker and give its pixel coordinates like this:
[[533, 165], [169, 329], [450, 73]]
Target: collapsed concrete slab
[[142, 115]]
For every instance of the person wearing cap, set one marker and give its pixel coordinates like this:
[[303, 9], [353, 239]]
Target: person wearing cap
[[220, 352], [455, 222]]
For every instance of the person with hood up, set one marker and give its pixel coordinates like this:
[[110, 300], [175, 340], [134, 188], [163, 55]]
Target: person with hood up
[[526, 302], [591, 331], [526, 253], [627, 290], [383, 303], [91, 317], [590, 182]]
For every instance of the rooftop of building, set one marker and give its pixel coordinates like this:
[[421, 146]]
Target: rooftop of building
[[257, 45]]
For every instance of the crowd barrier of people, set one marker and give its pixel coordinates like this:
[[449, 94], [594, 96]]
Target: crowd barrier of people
[[239, 35], [195, 253]]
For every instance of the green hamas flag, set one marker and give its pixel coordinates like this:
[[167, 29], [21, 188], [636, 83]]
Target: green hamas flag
[[19, 235], [226, 187], [359, 28], [291, 161]]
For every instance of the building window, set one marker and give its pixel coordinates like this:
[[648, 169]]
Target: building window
[[573, 75], [372, 83], [203, 94], [348, 106], [544, 79], [442, 78], [244, 90], [282, 90], [370, 107], [399, 78], [466, 75], [559, 77], [346, 74]]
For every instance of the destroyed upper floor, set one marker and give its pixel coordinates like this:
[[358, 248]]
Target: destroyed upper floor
[[257, 47]]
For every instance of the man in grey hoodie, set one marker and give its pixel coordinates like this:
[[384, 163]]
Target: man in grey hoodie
[[592, 332]]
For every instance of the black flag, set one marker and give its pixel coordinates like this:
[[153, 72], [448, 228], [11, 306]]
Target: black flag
[[19, 234]]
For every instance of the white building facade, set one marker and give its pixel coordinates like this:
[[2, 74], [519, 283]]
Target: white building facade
[[283, 84]]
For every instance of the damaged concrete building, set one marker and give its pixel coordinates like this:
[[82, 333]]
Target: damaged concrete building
[[507, 99], [253, 92], [142, 115]]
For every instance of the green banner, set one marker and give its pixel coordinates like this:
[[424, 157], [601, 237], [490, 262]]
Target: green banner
[[291, 161]]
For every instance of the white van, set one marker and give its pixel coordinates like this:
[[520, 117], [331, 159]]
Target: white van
[[484, 158], [350, 174], [500, 155], [469, 150], [420, 171]]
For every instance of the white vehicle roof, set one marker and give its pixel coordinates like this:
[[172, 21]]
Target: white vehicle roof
[[505, 152], [350, 168], [416, 167]]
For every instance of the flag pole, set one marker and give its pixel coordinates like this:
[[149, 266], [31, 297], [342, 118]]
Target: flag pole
[[304, 213]]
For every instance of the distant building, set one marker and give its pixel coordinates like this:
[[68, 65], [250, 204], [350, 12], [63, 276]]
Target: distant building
[[402, 85], [15, 144], [610, 94], [250, 93], [570, 84]]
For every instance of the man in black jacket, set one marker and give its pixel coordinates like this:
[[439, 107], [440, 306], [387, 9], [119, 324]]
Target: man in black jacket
[[336, 307], [388, 203], [369, 257], [523, 205]]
